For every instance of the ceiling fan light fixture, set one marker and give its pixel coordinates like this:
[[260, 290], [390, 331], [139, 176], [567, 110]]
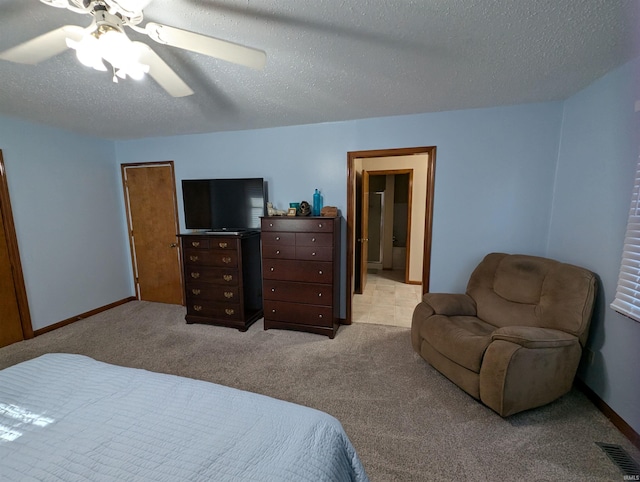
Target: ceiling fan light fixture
[[105, 42], [108, 43], [88, 52]]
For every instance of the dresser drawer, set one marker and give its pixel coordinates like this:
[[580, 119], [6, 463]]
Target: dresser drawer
[[317, 294], [196, 243], [223, 243], [202, 291], [228, 311], [275, 251], [211, 257], [204, 274], [278, 238], [314, 253], [298, 313], [292, 270], [210, 242], [298, 224], [314, 239]]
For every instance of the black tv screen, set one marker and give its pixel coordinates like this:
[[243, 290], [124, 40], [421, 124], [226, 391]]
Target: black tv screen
[[223, 204]]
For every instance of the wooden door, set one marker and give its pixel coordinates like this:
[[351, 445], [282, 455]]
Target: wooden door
[[10, 327], [15, 321], [364, 231], [152, 214]]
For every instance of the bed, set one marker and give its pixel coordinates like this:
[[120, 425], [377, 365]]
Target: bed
[[67, 417]]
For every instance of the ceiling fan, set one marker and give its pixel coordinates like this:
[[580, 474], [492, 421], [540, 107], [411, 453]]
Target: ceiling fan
[[105, 40]]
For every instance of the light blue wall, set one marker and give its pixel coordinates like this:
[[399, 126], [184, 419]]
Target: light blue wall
[[494, 173], [596, 167], [67, 209]]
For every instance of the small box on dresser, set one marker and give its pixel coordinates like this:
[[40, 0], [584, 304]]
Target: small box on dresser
[[301, 273], [222, 278]]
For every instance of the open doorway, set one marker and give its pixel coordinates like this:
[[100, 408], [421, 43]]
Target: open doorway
[[419, 163]]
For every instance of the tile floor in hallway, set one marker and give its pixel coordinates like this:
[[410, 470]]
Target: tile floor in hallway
[[386, 300]]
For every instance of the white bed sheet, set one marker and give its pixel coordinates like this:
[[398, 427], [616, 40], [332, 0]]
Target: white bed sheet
[[68, 417]]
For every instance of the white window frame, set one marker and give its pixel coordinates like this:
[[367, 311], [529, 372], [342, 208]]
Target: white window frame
[[627, 300]]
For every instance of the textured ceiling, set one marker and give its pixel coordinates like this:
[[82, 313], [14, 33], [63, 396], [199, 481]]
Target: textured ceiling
[[327, 60]]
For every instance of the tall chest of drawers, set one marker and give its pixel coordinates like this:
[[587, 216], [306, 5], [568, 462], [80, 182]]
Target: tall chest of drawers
[[301, 273], [222, 276]]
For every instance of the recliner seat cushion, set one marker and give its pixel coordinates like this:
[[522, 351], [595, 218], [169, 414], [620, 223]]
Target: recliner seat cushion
[[462, 339]]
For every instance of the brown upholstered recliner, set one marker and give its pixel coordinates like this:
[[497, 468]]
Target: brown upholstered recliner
[[514, 340]]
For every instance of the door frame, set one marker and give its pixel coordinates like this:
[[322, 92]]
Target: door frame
[[134, 266], [351, 211], [14, 254]]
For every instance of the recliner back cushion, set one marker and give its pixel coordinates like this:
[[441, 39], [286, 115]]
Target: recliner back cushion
[[519, 279], [532, 291]]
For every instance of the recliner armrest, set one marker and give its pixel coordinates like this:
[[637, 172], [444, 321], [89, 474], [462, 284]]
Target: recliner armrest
[[450, 304], [534, 337]]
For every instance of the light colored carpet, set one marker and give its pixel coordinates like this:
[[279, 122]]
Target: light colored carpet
[[407, 422]]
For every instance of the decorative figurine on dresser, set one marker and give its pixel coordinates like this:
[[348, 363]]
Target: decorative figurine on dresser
[[301, 273], [222, 278]]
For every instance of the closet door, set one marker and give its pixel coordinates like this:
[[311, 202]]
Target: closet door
[[152, 214]]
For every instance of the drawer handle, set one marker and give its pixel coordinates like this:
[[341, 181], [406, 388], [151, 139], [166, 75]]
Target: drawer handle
[[195, 291], [270, 225], [195, 275], [313, 254], [229, 311], [277, 238], [222, 245], [272, 269], [313, 240], [320, 272], [228, 294], [320, 295], [226, 259], [320, 225], [197, 307], [195, 244], [278, 252], [273, 290], [193, 258], [273, 311], [319, 316], [227, 277]]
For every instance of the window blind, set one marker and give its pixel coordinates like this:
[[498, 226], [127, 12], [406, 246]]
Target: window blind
[[627, 299]]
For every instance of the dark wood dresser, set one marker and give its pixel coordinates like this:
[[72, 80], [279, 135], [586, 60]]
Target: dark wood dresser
[[222, 276], [301, 273]]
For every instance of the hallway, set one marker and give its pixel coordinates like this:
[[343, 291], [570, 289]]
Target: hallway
[[386, 300]]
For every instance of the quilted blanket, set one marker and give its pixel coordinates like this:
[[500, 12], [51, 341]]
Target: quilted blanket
[[71, 418]]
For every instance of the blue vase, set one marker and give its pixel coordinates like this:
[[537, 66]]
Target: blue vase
[[317, 203]]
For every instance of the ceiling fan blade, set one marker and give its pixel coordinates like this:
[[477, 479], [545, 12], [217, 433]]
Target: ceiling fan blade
[[56, 3], [213, 47], [162, 73], [43, 47], [129, 8]]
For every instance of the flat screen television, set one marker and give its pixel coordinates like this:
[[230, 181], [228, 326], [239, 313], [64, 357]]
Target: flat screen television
[[224, 204]]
